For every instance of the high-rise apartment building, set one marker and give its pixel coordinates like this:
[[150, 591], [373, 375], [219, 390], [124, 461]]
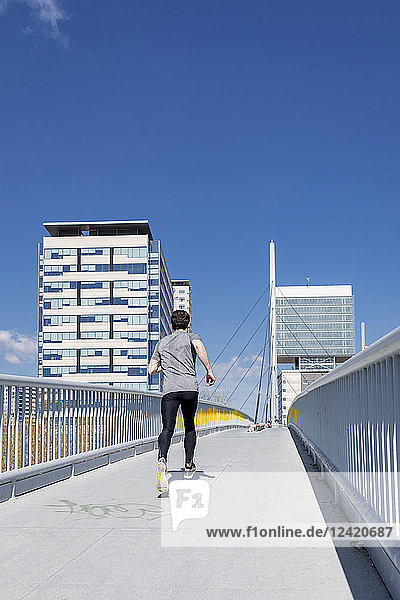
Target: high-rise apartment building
[[182, 295], [105, 299]]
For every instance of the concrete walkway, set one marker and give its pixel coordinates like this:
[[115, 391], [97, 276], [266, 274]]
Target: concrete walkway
[[97, 536]]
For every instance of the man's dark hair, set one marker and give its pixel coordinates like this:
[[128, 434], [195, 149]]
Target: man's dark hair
[[180, 319]]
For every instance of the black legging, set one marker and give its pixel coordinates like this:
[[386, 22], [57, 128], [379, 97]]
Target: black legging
[[169, 408]]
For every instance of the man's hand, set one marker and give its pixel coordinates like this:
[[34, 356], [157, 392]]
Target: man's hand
[[210, 378]]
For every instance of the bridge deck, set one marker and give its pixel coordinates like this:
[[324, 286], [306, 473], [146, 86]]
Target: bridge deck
[[54, 547]]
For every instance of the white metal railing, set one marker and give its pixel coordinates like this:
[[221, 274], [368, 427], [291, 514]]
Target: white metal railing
[[350, 418], [43, 420]]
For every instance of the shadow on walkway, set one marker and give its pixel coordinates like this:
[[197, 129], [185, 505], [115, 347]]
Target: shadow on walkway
[[354, 560]]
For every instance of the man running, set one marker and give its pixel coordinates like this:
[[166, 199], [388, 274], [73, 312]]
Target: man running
[[175, 356]]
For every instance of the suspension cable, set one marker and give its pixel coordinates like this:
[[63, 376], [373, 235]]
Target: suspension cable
[[245, 375], [245, 402], [236, 331], [239, 355], [262, 375]]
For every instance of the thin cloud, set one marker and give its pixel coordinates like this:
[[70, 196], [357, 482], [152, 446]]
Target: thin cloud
[[239, 369], [46, 14], [12, 358], [16, 348]]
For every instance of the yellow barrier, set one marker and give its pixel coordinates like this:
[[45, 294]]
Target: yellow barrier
[[294, 416], [210, 416]]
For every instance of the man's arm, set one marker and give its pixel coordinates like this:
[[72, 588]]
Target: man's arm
[[154, 366], [202, 354], [155, 362]]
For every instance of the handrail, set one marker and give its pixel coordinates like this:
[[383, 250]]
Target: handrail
[[22, 381], [70, 384], [386, 346], [349, 421], [43, 419]]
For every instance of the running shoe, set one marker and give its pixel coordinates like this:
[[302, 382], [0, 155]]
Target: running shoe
[[189, 471], [162, 481]]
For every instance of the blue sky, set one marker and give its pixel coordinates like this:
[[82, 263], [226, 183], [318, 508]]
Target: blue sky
[[223, 123]]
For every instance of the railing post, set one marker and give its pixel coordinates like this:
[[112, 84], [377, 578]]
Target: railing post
[[1, 425], [30, 418], [16, 426]]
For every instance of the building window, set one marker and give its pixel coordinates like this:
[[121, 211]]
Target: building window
[[51, 253], [95, 369], [94, 301], [60, 286], [131, 301], [131, 319], [95, 285], [95, 268], [95, 335], [132, 268], [95, 352], [59, 337], [131, 371], [95, 318], [59, 354], [58, 269], [57, 371], [58, 320], [139, 252], [95, 251], [132, 286], [134, 353], [131, 336], [59, 303]]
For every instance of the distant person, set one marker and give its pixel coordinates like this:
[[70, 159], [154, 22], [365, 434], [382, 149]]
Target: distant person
[[175, 356]]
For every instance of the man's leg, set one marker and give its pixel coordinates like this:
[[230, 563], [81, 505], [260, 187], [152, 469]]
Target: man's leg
[[169, 408], [189, 407]]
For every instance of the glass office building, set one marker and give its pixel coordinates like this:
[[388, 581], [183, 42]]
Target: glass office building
[[105, 299], [314, 332], [314, 325]]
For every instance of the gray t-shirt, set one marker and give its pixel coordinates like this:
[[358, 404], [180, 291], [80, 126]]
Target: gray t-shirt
[[178, 357]]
